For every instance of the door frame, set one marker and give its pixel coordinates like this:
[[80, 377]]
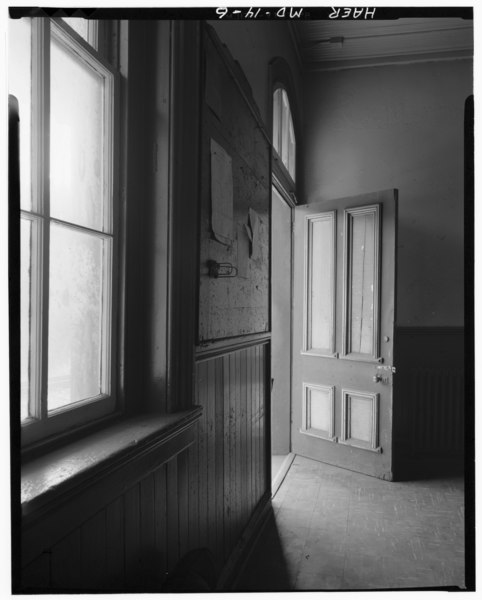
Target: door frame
[[289, 198]]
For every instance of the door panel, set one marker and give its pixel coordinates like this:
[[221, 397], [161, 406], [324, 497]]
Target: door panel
[[343, 328], [319, 316]]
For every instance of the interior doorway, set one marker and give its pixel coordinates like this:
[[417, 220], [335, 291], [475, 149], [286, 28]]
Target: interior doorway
[[281, 295]]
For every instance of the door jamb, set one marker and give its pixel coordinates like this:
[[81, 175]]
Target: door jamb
[[290, 200]]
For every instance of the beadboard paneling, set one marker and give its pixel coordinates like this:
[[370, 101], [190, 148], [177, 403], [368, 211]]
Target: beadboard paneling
[[232, 474], [429, 406], [130, 542]]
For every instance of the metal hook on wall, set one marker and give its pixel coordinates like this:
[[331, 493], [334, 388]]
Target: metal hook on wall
[[224, 269]]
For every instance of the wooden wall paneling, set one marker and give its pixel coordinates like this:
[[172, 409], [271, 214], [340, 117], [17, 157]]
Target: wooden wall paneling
[[266, 412], [227, 458], [243, 437], [232, 448], [36, 574], [172, 515], [263, 424], [220, 460], [193, 453], [194, 475], [262, 437], [211, 455], [160, 521], [93, 548], [132, 546], [253, 425], [203, 484], [114, 524], [237, 417], [66, 563], [125, 545], [183, 501], [429, 398], [149, 570], [47, 522], [252, 362], [257, 432], [249, 430], [232, 453]]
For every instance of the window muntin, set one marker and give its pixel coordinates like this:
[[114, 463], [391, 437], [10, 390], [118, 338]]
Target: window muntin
[[68, 239], [284, 141]]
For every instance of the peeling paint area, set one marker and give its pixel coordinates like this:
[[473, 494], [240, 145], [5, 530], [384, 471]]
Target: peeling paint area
[[239, 304]]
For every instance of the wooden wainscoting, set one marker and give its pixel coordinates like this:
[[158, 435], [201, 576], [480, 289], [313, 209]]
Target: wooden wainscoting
[[120, 525], [430, 399], [125, 526], [231, 460]]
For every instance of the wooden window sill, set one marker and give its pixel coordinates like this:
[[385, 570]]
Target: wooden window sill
[[67, 472]]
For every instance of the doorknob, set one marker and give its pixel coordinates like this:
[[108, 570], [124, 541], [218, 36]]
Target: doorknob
[[377, 378]]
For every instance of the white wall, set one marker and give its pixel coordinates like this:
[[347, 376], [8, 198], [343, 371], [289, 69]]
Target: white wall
[[399, 127], [367, 129]]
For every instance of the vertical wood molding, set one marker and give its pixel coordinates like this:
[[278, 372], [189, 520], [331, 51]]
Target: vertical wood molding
[[184, 209]]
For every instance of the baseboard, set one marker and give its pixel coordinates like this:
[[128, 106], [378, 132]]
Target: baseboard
[[235, 564], [285, 467]]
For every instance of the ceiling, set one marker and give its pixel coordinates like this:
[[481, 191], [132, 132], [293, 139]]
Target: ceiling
[[337, 44]]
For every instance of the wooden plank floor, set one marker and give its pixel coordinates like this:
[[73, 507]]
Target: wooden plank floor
[[332, 529]]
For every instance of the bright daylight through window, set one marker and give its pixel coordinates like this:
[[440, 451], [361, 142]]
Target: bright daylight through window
[[65, 92], [283, 132]]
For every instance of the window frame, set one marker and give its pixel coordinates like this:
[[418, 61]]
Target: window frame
[[280, 78], [43, 428]]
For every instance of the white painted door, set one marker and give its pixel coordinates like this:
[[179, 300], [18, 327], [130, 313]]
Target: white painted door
[[343, 330]]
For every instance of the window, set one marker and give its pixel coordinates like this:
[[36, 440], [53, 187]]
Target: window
[[284, 141], [68, 223]]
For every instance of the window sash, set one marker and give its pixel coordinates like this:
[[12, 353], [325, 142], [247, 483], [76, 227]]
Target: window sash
[[284, 140], [40, 422]]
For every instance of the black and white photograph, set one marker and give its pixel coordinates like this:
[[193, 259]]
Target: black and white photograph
[[241, 325]]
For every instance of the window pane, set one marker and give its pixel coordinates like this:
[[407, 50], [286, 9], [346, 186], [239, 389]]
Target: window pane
[[362, 283], [19, 84], [276, 119], [77, 333], [285, 115], [25, 314], [76, 140], [291, 149]]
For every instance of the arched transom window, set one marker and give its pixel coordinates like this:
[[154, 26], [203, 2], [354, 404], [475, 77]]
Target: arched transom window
[[283, 131]]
